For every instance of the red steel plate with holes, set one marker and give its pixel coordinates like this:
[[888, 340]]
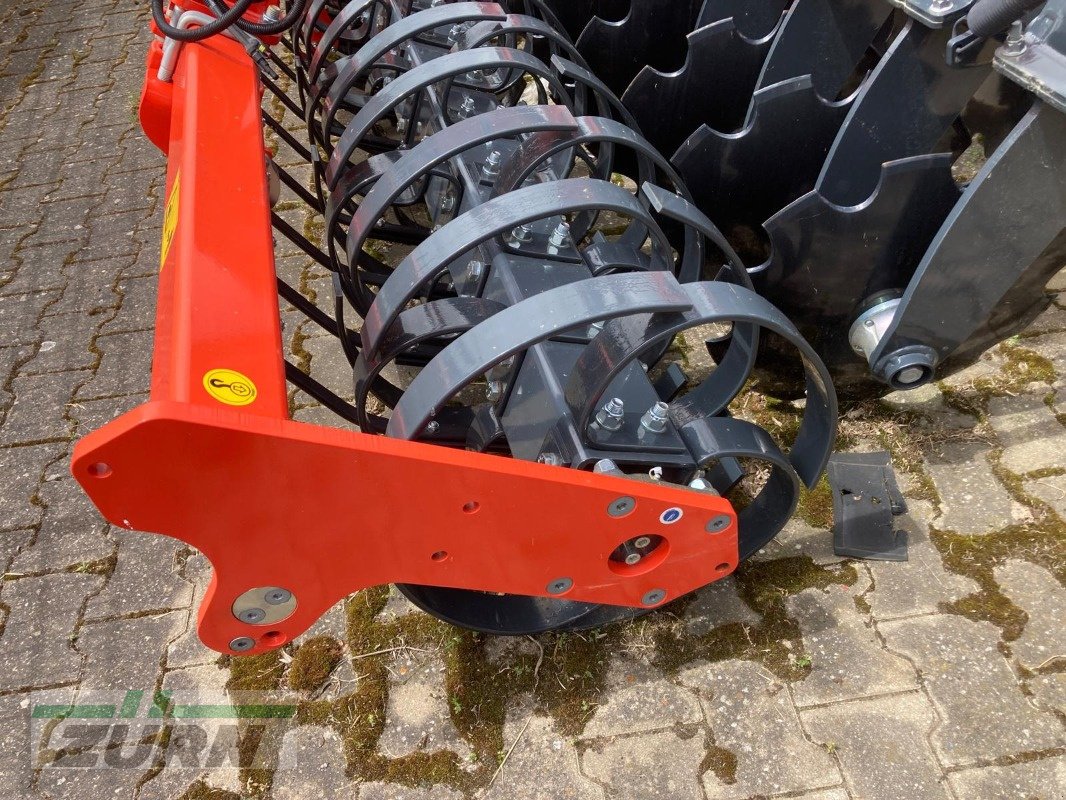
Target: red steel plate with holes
[[321, 511]]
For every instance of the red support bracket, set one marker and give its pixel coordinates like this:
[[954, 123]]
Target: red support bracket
[[213, 459]]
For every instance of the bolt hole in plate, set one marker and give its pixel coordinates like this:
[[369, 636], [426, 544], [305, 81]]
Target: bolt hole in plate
[[723, 568], [472, 507], [440, 555], [265, 605], [273, 639], [100, 470], [639, 555]]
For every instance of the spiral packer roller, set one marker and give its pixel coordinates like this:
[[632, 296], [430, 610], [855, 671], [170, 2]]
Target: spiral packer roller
[[520, 205]]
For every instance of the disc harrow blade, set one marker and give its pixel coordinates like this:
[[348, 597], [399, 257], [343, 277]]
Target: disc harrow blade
[[714, 86], [983, 277], [733, 179], [825, 39], [881, 240]]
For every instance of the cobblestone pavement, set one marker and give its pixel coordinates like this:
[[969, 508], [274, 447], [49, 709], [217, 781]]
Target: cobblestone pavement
[[801, 676]]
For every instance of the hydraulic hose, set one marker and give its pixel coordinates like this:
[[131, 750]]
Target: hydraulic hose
[[272, 28], [197, 34], [989, 17]]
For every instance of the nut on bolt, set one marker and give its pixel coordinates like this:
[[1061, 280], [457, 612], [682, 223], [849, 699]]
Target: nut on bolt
[[655, 418], [611, 416]]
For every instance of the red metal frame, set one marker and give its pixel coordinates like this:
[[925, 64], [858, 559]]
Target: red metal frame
[[213, 459]]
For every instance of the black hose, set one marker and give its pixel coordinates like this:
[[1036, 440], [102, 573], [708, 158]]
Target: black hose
[[273, 28], [989, 17], [197, 34]]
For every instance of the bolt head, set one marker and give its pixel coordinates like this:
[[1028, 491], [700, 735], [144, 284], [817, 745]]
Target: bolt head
[[277, 597], [560, 585], [642, 541], [242, 644], [654, 597], [633, 558], [252, 616], [621, 506], [718, 524]]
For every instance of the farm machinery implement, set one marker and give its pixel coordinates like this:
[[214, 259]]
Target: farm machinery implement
[[564, 241]]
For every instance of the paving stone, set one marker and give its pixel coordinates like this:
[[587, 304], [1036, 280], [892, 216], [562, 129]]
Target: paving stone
[[1029, 432], [59, 355], [798, 538], [125, 366], [919, 584], [312, 759], [1049, 691], [85, 784], [972, 501], [89, 289], [882, 747], [1052, 490], [187, 650], [417, 717], [663, 764], [847, 659], [35, 648], [392, 791], [27, 421], [983, 713], [542, 765], [138, 306], [716, 605], [71, 532], [145, 578], [125, 653], [751, 715], [22, 470], [640, 699], [91, 415], [16, 762], [19, 315], [330, 366], [1036, 780], [929, 401], [1036, 591], [197, 685], [11, 542]]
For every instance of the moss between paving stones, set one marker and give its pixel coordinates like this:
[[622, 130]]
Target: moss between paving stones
[[722, 762], [313, 662], [764, 585], [201, 791]]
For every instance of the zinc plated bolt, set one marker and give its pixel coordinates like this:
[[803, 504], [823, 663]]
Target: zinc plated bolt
[[559, 237], [611, 416], [1014, 44], [252, 616], [654, 597], [492, 164], [467, 108], [604, 466], [655, 418], [241, 644], [522, 234], [551, 459]]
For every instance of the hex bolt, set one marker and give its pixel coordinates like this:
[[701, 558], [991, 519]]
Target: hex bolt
[[277, 597], [611, 416], [447, 202], [495, 392], [702, 485], [467, 108], [718, 524], [522, 234], [1014, 44], [941, 6], [606, 467], [654, 597], [242, 644], [621, 506], [432, 427], [491, 167], [551, 459], [272, 14], [252, 616], [559, 237], [454, 33], [655, 418], [560, 585]]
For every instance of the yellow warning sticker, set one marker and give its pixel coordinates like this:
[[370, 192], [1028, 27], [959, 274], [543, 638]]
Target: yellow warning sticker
[[170, 219], [230, 387]]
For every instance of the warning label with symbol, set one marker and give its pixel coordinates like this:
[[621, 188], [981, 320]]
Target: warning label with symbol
[[230, 387], [170, 219]]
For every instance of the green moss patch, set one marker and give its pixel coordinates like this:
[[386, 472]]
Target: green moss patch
[[313, 662]]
